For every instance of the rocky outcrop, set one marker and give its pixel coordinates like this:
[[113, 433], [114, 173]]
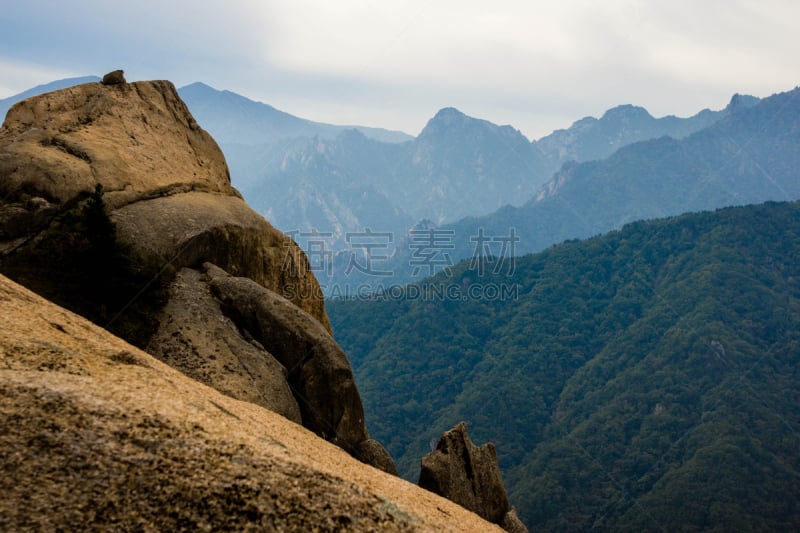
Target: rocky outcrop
[[319, 373], [253, 325], [164, 178], [252, 344], [98, 435], [512, 523], [115, 77], [195, 337], [469, 476]]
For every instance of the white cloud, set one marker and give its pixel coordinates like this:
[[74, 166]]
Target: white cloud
[[535, 64], [17, 76]]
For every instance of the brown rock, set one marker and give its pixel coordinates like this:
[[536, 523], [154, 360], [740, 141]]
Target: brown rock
[[195, 337], [98, 435], [318, 370], [466, 474], [167, 189], [166, 183], [190, 228], [512, 523], [115, 77], [138, 141], [373, 453]]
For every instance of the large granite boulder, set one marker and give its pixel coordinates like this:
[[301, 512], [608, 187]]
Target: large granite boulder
[[469, 476], [253, 326], [165, 182]]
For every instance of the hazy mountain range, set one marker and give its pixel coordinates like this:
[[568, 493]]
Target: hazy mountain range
[[458, 166], [750, 155]]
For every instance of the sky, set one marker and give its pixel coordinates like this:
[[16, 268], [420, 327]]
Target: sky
[[538, 65]]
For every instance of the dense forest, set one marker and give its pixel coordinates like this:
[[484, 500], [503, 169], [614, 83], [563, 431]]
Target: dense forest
[[645, 379]]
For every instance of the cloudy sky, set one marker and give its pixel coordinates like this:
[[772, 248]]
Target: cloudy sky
[[537, 64]]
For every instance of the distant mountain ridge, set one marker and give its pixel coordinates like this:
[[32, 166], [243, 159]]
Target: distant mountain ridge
[[458, 166], [590, 138], [750, 155], [235, 119]]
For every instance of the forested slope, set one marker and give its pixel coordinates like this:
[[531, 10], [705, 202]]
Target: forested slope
[[646, 378]]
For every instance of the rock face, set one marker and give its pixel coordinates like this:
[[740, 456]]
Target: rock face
[[318, 369], [252, 344], [512, 523], [469, 476], [99, 435], [165, 180], [253, 323], [195, 337]]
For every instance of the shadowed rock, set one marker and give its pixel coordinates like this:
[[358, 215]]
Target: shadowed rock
[[115, 77], [373, 453], [195, 337], [469, 476], [319, 373], [512, 523]]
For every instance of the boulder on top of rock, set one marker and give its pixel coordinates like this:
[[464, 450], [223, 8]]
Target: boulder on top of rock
[[115, 77], [467, 475]]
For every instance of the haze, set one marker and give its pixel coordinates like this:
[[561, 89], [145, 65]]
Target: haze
[[535, 65]]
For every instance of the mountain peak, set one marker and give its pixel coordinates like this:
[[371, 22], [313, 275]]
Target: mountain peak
[[451, 119], [626, 111], [199, 85], [449, 113], [447, 117], [741, 101]]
